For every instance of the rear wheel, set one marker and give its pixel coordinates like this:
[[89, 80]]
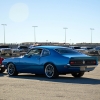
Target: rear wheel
[[51, 71], [80, 74], [11, 70]]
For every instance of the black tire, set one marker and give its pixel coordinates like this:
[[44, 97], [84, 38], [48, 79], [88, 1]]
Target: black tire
[[50, 71], [2, 69], [11, 70], [80, 74]]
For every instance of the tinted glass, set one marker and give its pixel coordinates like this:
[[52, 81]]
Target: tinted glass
[[4, 46], [23, 47], [89, 48], [77, 48], [45, 53], [35, 52], [65, 51]]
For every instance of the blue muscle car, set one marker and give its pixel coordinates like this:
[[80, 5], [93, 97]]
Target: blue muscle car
[[51, 61]]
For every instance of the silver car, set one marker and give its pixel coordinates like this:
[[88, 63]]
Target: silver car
[[5, 50]]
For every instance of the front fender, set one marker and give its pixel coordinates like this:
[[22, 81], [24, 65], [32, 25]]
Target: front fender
[[10, 60]]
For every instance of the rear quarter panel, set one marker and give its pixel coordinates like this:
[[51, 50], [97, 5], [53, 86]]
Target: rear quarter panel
[[55, 58]]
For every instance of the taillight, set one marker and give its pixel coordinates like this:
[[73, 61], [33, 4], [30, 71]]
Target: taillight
[[1, 59], [94, 62], [91, 62], [82, 62], [72, 62]]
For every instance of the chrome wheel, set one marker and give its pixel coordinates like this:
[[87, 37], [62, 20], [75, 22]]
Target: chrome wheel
[[50, 71], [11, 69]]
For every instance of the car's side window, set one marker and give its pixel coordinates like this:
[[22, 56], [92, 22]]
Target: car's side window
[[45, 53], [35, 52]]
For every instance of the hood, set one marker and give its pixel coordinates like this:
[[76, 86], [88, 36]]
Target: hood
[[12, 58]]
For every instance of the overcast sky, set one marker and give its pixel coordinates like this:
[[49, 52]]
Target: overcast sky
[[51, 16]]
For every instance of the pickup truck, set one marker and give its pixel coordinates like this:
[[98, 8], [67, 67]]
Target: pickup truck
[[5, 49]]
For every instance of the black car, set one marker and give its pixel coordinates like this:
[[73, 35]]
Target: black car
[[22, 48]]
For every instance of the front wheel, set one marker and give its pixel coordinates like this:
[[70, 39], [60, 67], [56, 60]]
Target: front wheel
[[79, 74], [11, 70], [51, 71]]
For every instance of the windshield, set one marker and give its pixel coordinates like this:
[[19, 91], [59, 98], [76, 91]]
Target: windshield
[[66, 51]]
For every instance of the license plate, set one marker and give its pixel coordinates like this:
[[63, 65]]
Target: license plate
[[82, 68]]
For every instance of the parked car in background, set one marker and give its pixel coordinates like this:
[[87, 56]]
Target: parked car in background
[[78, 48], [22, 48], [31, 46], [5, 49], [51, 61], [75, 47], [2, 68], [16, 52], [87, 49], [95, 51]]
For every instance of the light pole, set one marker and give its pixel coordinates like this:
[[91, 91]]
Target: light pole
[[34, 34], [91, 33], [4, 31], [65, 33], [70, 41]]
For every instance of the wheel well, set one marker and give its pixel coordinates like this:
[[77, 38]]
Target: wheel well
[[9, 63], [50, 63]]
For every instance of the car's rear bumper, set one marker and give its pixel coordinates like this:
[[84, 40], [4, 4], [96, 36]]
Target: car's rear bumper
[[83, 68], [71, 69]]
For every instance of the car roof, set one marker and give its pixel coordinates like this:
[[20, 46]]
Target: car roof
[[51, 47], [74, 46]]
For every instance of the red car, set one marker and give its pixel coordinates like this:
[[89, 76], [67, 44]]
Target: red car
[[2, 69]]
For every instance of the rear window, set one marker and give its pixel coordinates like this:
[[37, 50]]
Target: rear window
[[77, 48], [65, 51], [89, 48], [23, 47], [4, 47]]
